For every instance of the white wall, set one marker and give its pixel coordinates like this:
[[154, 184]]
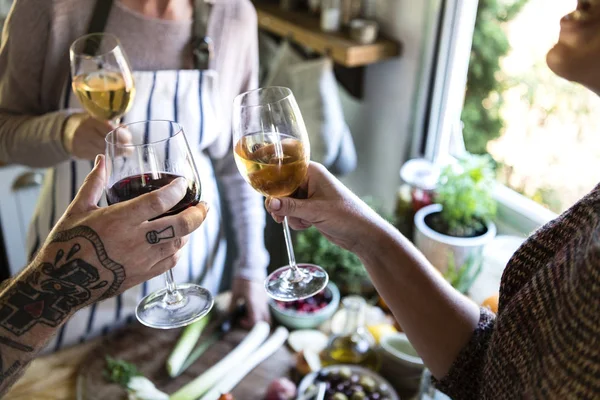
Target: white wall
[[382, 122]]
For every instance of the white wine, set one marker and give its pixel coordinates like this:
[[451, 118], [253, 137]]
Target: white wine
[[104, 94], [273, 164]]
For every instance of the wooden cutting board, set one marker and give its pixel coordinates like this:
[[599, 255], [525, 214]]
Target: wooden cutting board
[[149, 349]]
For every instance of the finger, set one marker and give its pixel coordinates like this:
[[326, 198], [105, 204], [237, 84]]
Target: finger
[[164, 265], [90, 192], [154, 204], [291, 208], [102, 128], [181, 224], [298, 224], [168, 248]]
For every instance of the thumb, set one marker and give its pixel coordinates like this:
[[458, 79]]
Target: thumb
[[90, 192], [289, 207]]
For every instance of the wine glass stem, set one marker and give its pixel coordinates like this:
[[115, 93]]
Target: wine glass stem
[[173, 296], [295, 274]]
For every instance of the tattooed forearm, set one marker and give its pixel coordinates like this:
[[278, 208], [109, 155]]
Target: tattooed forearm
[[57, 287], [153, 237]]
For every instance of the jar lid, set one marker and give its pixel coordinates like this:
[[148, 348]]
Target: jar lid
[[420, 173]]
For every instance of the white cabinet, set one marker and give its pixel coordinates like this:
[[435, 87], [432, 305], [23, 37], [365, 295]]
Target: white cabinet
[[19, 191]]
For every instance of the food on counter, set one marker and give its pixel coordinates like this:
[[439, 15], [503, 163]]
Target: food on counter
[[309, 305], [226, 396], [492, 303], [380, 330], [307, 339], [345, 384], [281, 389], [239, 371], [186, 343], [127, 376], [221, 370]]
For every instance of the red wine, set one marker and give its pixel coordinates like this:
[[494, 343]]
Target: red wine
[[137, 185]]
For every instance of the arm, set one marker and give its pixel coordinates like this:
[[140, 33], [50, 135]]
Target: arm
[[437, 319], [93, 253], [28, 135]]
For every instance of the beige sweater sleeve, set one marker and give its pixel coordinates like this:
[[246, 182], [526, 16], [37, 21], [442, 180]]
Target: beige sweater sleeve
[[29, 134]]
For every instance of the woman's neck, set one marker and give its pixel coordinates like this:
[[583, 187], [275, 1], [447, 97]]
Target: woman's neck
[[173, 10]]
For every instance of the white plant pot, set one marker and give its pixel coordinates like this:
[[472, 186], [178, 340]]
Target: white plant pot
[[438, 247]]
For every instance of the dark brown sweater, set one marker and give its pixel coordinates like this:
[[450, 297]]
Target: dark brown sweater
[[545, 341]]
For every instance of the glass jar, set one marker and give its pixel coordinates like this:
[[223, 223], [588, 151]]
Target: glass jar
[[354, 345], [330, 15]]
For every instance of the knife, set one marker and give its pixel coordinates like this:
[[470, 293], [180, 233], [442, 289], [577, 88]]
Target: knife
[[224, 328]]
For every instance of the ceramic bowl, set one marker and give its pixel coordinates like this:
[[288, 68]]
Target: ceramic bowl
[[301, 320], [400, 362]]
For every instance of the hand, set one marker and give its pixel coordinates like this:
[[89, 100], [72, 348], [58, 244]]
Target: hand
[[253, 293], [84, 136], [329, 206], [118, 247]]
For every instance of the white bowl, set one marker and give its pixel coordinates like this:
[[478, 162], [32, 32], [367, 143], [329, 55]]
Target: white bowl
[[398, 346]]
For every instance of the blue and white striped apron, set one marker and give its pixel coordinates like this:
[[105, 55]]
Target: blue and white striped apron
[[184, 96]]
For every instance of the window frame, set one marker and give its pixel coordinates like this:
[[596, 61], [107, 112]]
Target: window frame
[[439, 138]]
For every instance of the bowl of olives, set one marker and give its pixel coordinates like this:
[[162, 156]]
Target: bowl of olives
[[349, 382]]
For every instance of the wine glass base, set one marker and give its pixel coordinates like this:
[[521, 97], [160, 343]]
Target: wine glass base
[[280, 286], [192, 303]]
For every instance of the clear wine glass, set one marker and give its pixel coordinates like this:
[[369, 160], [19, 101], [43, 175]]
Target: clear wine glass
[[158, 154], [101, 76], [272, 152]]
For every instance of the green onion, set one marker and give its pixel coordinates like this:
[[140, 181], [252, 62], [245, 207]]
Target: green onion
[[234, 359], [186, 343]]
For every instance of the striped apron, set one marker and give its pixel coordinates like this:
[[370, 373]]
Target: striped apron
[[184, 96]]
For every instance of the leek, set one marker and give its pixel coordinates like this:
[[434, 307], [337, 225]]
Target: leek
[[186, 343], [234, 359], [227, 384]]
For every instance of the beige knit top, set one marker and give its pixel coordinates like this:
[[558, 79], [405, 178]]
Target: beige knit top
[[34, 67]]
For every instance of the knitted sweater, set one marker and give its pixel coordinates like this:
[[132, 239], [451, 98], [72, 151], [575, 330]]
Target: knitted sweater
[[545, 341]]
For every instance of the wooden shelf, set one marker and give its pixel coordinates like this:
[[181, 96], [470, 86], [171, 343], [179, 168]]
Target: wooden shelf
[[304, 28]]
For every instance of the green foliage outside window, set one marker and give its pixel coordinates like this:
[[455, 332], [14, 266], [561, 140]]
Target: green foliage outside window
[[483, 100]]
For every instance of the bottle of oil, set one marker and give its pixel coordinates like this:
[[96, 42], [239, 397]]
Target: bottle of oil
[[354, 345]]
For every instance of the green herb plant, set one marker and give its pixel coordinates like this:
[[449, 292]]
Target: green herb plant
[[462, 277], [465, 191]]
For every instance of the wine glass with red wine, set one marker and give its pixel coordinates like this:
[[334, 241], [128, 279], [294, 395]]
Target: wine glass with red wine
[[272, 152], [158, 154]]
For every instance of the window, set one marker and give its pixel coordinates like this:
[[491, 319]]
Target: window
[[538, 128]]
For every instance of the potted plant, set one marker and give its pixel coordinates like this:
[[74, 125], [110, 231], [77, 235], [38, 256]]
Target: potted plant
[[454, 230]]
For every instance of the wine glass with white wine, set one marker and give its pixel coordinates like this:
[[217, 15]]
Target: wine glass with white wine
[[272, 152], [101, 76]]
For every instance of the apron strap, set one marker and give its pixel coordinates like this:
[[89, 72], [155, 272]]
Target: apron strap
[[98, 23], [202, 45]]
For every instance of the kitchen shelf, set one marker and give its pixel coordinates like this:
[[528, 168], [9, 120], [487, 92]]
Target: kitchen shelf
[[303, 28]]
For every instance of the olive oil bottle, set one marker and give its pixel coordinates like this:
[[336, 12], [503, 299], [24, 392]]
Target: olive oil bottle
[[354, 345]]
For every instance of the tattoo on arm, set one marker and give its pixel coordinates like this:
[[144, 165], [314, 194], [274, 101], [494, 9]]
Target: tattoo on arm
[[153, 237], [56, 289]]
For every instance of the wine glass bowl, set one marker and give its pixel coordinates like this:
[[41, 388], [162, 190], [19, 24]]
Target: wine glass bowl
[[272, 153], [101, 76], [155, 154]]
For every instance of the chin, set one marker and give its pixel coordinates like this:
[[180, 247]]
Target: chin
[[570, 65]]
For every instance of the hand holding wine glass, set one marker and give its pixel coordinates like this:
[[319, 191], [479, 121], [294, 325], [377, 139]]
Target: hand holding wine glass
[[158, 155], [272, 152]]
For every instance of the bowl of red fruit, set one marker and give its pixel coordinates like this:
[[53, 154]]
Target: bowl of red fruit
[[307, 313]]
